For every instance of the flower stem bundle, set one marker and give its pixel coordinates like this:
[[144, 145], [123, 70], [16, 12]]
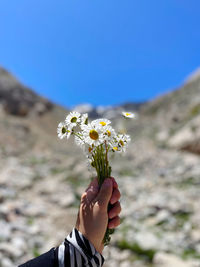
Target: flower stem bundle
[[98, 140]]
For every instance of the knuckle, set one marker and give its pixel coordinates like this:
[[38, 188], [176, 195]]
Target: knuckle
[[83, 196], [99, 205], [117, 222], [117, 194], [119, 209]]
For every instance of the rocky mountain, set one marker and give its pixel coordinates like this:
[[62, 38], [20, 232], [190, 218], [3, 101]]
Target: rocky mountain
[[110, 112], [19, 100], [42, 178], [176, 115]]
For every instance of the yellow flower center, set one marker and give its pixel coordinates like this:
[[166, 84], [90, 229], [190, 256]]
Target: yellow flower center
[[115, 148], [121, 143], [74, 119], [103, 123], [64, 130], [89, 149], [94, 134], [128, 114], [108, 133]]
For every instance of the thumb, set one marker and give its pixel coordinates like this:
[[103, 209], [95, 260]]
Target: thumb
[[92, 190], [105, 193]]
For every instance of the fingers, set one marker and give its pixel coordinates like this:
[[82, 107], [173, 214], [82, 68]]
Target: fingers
[[115, 185], [116, 193], [91, 192], [94, 184], [115, 210], [115, 196], [104, 194], [114, 222]]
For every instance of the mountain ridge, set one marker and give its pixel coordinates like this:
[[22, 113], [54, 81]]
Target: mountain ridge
[[42, 179], [17, 99]]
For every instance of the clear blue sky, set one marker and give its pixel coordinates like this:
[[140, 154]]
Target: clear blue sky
[[100, 51]]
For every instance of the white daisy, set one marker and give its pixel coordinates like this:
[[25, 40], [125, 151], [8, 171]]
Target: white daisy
[[123, 140], [92, 135], [84, 119], [115, 148], [63, 130], [108, 132], [128, 115], [73, 119], [100, 122]]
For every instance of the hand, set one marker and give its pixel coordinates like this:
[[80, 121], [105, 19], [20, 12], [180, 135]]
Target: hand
[[93, 215]]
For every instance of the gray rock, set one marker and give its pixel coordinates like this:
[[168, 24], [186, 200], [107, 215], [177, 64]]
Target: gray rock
[[7, 249], [6, 262], [162, 215], [5, 230], [169, 260]]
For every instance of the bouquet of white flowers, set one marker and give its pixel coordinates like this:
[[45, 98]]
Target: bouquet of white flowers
[[97, 139]]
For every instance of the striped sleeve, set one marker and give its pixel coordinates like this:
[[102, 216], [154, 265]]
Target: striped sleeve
[[77, 251]]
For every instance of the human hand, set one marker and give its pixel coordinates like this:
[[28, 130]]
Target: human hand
[[93, 215]]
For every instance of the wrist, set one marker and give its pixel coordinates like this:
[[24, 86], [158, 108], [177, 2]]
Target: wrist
[[96, 244], [83, 244]]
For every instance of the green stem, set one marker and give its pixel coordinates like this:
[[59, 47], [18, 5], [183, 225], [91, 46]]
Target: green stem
[[101, 164]]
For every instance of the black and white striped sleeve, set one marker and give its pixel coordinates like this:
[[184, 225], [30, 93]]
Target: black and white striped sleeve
[[77, 251]]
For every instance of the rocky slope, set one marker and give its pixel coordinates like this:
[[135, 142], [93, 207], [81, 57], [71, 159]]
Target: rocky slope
[[177, 116], [41, 179], [17, 99]]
